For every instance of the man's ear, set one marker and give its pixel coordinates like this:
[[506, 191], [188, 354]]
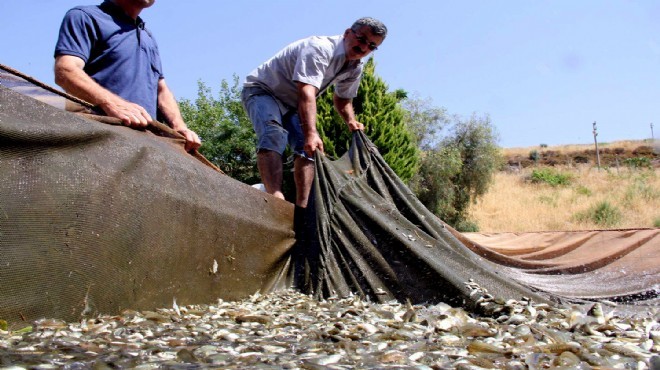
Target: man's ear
[[348, 30]]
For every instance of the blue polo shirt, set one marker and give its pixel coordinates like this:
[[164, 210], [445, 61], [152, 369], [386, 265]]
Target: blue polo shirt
[[119, 52]]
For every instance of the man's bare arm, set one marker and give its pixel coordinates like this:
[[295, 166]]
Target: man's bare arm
[[345, 109], [307, 113], [170, 110], [69, 74]]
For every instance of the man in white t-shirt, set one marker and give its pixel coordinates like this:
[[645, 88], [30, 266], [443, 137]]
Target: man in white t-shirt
[[280, 99]]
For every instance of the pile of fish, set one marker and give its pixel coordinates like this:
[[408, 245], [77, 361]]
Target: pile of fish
[[290, 330]]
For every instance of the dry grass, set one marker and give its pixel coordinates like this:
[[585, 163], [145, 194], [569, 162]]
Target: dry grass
[[514, 204], [628, 145]]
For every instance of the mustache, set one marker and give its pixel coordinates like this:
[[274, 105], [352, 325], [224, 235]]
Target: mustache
[[358, 50]]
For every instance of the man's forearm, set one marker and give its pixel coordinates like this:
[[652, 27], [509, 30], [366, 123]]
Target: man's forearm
[[307, 114], [169, 108], [307, 108], [345, 108]]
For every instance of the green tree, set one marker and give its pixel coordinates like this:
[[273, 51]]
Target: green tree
[[383, 117], [424, 120], [432, 184], [228, 139], [459, 158], [476, 141]]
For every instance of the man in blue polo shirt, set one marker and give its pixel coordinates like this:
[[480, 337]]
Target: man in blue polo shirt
[[106, 56]]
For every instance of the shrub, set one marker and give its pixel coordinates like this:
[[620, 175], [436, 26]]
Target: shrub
[[580, 159], [640, 188], [643, 150], [656, 222], [467, 226], [543, 145], [458, 169], [637, 162], [550, 200], [583, 190], [534, 155], [550, 177], [605, 214], [433, 182], [602, 214]]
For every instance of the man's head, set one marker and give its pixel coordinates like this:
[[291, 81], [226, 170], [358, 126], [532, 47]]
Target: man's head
[[364, 36]]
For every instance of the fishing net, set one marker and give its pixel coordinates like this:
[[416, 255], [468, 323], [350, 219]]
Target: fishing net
[[96, 218], [365, 232], [100, 218]]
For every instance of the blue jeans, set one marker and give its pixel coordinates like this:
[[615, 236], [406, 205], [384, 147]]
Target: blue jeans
[[274, 128]]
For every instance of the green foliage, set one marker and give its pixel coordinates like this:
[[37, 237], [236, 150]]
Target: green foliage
[[476, 140], [605, 214], [543, 145], [467, 226], [640, 188], [550, 200], [432, 184], [458, 169], [24, 330], [400, 94], [534, 155], [228, 139], [638, 162], [583, 190], [656, 222], [382, 116], [425, 121], [550, 177], [602, 214]]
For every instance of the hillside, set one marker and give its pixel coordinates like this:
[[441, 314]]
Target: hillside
[[564, 190], [611, 154]]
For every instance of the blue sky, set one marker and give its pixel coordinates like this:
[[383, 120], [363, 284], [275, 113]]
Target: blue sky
[[543, 70]]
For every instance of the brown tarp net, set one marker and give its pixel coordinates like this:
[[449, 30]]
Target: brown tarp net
[[99, 218], [595, 264]]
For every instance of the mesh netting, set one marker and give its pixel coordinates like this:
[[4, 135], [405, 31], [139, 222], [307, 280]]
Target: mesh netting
[[98, 218], [369, 234]]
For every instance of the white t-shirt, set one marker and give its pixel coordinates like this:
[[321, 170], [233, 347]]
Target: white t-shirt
[[317, 61]]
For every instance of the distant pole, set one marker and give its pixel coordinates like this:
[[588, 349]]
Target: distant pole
[[596, 141], [652, 138]]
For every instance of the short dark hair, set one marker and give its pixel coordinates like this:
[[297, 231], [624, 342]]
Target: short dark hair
[[377, 27]]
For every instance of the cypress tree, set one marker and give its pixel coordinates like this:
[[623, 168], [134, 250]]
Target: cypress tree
[[383, 118]]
